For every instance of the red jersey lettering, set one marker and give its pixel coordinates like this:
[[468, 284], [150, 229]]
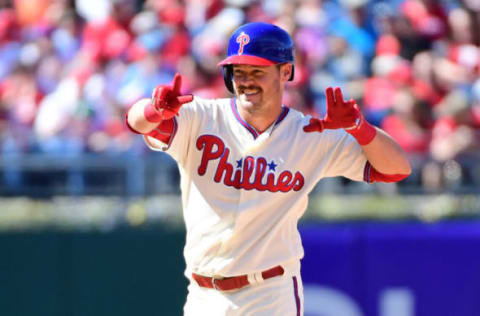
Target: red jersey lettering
[[251, 174]]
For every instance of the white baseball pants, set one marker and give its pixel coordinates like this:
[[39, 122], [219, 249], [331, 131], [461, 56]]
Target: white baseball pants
[[278, 296]]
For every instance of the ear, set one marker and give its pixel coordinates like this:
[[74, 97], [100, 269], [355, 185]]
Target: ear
[[286, 71]]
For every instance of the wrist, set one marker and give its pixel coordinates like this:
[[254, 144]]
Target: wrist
[[152, 114], [364, 132]]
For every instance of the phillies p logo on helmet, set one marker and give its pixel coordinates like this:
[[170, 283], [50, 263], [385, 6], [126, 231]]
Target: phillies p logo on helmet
[[242, 40]]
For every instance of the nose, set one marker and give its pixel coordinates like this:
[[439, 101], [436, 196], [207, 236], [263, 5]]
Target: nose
[[242, 77], [246, 80]]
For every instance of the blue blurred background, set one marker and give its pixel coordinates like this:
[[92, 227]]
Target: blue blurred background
[[90, 219]]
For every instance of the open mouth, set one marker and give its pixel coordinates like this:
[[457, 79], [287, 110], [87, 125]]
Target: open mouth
[[250, 92]]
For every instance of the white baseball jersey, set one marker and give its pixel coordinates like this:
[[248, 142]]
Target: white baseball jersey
[[243, 193]]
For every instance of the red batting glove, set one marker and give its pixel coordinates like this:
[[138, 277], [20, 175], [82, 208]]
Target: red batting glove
[[166, 101], [341, 114]]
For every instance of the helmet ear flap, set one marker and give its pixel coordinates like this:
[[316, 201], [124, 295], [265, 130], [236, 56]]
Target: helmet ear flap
[[227, 77]]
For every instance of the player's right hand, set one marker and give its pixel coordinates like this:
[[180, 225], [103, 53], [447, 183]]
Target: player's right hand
[[167, 100]]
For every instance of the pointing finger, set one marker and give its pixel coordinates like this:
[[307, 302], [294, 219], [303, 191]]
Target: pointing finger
[[185, 98], [315, 125], [177, 83], [330, 97], [339, 96]]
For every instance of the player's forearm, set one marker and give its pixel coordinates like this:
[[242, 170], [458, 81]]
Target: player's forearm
[[386, 156], [137, 119]]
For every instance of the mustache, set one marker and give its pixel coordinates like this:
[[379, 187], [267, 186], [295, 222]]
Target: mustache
[[243, 88]]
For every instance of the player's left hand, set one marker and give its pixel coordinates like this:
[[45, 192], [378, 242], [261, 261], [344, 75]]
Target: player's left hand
[[340, 113], [343, 114]]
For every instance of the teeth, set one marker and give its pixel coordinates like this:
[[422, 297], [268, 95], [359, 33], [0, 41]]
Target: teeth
[[250, 91]]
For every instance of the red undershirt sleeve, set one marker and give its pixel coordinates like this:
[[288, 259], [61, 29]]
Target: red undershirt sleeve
[[164, 132], [370, 175]]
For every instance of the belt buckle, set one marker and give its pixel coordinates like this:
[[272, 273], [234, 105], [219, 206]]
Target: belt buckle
[[214, 284]]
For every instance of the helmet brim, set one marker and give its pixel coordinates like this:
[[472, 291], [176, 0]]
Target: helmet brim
[[246, 60]]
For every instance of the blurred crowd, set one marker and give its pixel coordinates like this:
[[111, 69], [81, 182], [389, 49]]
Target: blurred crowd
[[69, 69]]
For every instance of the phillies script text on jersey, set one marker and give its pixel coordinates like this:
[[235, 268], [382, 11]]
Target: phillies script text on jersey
[[214, 148]]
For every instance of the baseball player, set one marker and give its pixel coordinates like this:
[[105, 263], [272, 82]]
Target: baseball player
[[247, 164]]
